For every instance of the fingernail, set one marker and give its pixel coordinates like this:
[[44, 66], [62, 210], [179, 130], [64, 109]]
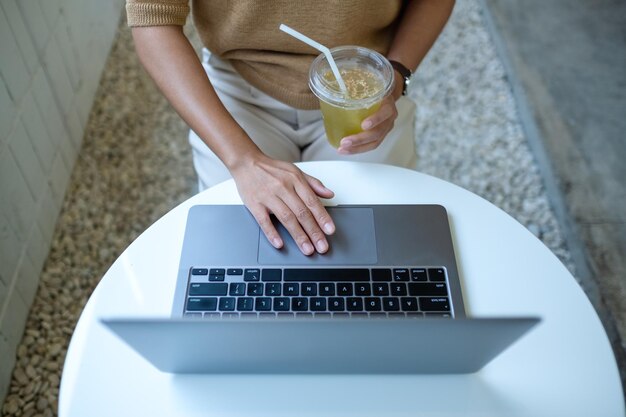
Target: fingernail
[[346, 143], [328, 228], [307, 248], [276, 242], [366, 125], [322, 246]]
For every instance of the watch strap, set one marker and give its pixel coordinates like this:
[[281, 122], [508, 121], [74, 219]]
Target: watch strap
[[404, 72]]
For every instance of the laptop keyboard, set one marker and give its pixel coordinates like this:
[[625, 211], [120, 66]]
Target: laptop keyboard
[[241, 292]]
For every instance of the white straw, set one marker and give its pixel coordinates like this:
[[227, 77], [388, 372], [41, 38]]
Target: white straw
[[319, 47]]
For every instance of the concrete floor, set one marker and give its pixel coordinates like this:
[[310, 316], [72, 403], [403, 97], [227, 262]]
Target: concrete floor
[[566, 61]]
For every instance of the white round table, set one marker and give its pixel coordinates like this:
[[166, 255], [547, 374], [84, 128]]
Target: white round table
[[563, 367]]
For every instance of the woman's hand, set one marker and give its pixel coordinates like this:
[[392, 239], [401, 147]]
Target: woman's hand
[[268, 186], [376, 126]]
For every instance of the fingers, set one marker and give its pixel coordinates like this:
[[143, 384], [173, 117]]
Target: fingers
[[317, 209], [262, 217], [375, 129], [319, 188], [387, 111], [293, 197], [302, 226], [364, 141]]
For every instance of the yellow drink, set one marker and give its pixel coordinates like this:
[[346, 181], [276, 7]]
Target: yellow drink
[[340, 122], [368, 77], [344, 121]]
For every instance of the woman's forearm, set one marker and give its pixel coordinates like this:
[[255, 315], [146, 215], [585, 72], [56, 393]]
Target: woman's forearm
[[171, 61]]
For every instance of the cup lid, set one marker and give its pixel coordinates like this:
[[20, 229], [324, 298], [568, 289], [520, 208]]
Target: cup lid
[[348, 57]]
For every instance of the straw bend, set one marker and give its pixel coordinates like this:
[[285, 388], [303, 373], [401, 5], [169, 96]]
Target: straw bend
[[323, 49]]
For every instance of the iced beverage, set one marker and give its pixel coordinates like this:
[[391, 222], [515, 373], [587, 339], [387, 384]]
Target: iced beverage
[[368, 77]]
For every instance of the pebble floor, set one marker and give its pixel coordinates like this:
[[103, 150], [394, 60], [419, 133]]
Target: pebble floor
[[135, 165]]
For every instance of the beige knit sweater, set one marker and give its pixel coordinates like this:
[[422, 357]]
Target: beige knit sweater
[[246, 33]]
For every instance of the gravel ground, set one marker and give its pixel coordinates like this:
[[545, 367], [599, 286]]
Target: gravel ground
[[135, 165]]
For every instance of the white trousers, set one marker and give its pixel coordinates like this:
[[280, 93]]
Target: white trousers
[[285, 133]]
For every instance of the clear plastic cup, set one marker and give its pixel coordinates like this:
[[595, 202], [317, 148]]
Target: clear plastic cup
[[369, 78]]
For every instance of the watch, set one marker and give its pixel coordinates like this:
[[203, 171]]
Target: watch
[[405, 72]]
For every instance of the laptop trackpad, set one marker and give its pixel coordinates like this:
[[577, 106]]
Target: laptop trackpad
[[354, 242]]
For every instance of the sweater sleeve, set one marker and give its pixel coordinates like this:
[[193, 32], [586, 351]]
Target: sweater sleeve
[[156, 12]]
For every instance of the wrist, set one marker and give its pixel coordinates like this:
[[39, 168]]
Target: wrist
[[398, 86], [238, 151], [243, 160]]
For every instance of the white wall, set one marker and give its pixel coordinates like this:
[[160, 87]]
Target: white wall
[[52, 53]]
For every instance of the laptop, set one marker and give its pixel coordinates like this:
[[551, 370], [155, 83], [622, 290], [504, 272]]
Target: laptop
[[385, 298]]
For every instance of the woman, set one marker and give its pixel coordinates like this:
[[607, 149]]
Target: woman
[[248, 103]]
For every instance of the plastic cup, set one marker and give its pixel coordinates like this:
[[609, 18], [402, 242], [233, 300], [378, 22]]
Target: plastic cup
[[369, 79]]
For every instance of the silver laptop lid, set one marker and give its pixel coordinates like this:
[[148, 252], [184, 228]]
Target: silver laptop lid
[[313, 346]]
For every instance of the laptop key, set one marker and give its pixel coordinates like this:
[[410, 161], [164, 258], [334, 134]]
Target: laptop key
[[354, 304], [341, 315], [199, 271], [267, 315], [304, 315], [212, 315], [428, 288], [391, 304], [201, 304], [419, 274], [281, 304], [318, 304], [436, 274], [193, 315], [216, 277], [299, 304], [327, 274], [322, 315], [362, 289], [344, 288], [272, 289], [401, 274], [372, 304], [358, 315], [408, 303], [327, 289], [248, 315], [227, 304], [336, 304], [291, 289], [381, 288], [236, 288], [251, 275], [434, 304], [217, 271], [207, 289], [230, 315], [234, 271], [396, 315], [308, 289], [270, 274], [263, 304], [438, 315], [284, 315], [255, 288], [245, 304], [415, 315], [381, 274], [398, 288]]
